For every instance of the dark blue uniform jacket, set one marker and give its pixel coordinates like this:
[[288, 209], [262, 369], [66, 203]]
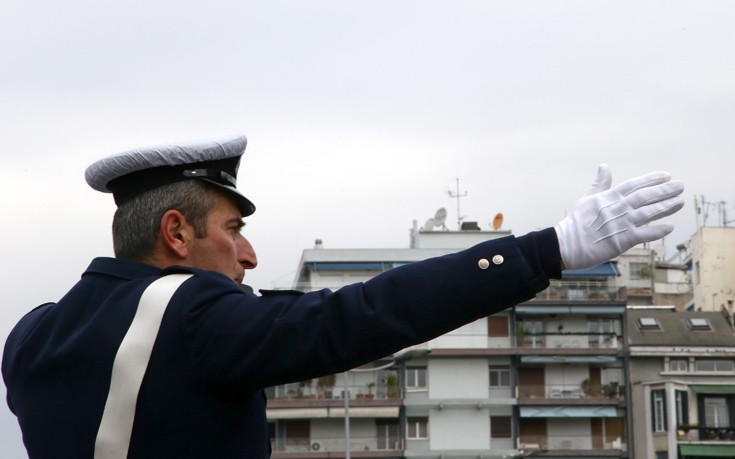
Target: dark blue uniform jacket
[[218, 346]]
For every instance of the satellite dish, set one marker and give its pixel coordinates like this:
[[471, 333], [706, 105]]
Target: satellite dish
[[440, 217], [497, 221], [429, 225]]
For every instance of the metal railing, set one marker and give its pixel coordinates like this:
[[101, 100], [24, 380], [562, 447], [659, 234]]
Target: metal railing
[[585, 389], [337, 392], [528, 443], [582, 291]]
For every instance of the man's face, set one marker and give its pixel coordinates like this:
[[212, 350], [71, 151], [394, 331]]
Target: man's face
[[224, 249]]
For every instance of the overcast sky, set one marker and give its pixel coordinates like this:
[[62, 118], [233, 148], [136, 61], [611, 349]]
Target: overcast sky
[[360, 117]]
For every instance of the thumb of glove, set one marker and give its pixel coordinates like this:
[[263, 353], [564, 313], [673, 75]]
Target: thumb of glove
[[602, 181]]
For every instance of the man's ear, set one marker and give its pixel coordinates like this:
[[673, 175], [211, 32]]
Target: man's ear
[[176, 233]]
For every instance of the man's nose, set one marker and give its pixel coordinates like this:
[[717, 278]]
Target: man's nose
[[246, 255]]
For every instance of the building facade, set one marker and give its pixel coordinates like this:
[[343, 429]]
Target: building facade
[[682, 391]]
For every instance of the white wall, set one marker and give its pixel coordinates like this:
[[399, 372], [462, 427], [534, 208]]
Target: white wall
[[459, 428], [444, 383]]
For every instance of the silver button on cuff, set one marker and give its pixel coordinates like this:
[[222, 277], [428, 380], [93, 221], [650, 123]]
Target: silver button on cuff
[[483, 263], [498, 259]]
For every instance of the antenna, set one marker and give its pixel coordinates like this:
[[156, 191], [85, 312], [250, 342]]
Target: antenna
[[458, 195]]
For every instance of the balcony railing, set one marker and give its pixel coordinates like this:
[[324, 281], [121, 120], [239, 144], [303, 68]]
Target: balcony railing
[[529, 443], [572, 340], [706, 434], [582, 291], [335, 444], [308, 392], [583, 390]]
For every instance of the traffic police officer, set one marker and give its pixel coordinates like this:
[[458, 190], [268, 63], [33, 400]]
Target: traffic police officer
[[97, 375]]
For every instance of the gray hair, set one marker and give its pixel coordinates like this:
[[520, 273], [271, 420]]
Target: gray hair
[[137, 222]]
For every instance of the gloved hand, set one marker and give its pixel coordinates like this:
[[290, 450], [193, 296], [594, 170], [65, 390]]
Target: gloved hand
[[608, 221]]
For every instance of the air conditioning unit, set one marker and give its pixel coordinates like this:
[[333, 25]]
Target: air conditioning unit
[[317, 446]]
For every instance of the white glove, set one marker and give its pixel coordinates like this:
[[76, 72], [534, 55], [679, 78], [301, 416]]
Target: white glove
[[607, 222]]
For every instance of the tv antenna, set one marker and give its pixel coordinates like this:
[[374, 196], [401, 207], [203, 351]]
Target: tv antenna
[[457, 195]]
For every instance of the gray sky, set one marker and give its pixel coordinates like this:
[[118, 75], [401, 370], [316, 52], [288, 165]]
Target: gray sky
[[360, 115]]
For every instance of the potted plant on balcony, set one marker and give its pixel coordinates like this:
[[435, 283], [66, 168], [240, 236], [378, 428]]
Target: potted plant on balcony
[[591, 388], [370, 386], [521, 333], [611, 389], [682, 432], [391, 385]]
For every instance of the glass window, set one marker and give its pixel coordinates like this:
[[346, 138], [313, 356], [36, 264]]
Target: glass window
[[499, 377], [718, 366], [417, 428], [698, 323], [680, 365], [658, 402], [500, 427], [416, 378], [715, 412], [639, 271], [648, 323]]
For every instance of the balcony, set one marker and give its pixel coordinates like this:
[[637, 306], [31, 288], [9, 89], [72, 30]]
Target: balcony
[[599, 445], [334, 446], [705, 434], [569, 340], [582, 291], [610, 393], [302, 393]]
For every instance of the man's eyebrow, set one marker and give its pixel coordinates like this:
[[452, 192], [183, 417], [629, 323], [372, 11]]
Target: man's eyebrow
[[236, 221]]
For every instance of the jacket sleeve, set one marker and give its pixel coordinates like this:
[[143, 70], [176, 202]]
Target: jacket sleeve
[[245, 341]]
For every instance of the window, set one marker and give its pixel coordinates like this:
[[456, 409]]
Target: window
[[416, 378], [658, 408], [530, 333], [417, 428], [698, 324], [716, 366], [648, 323], [601, 332], [716, 413], [499, 377], [500, 427], [388, 434], [679, 365], [497, 327], [639, 271]]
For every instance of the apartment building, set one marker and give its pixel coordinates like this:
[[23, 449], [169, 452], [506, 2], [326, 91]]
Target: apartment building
[[682, 390], [543, 379]]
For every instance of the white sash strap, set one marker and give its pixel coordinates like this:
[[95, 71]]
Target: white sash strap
[[131, 361]]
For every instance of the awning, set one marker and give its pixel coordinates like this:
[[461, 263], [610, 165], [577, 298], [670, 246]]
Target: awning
[[707, 450], [607, 269], [569, 359], [569, 412], [713, 388]]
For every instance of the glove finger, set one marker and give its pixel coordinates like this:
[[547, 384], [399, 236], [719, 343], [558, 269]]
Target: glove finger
[[651, 233], [602, 181], [652, 194], [644, 181], [661, 209]]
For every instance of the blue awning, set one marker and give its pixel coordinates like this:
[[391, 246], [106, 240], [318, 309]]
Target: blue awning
[[607, 269], [569, 412]]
